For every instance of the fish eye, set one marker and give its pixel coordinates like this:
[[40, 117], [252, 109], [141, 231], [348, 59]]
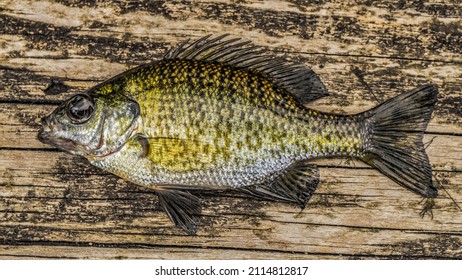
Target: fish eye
[[80, 109]]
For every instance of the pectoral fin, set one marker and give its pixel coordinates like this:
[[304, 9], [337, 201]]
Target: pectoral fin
[[182, 208], [296, 185]]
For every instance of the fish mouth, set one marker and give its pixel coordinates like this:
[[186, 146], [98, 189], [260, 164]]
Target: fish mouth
[[43, 136], [45, 132], [47, 135]]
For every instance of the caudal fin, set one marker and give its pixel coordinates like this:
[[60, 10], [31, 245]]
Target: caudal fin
[[393, 143]]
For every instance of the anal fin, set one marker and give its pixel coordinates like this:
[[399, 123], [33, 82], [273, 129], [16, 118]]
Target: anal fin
[[296, 185], [182, 208]]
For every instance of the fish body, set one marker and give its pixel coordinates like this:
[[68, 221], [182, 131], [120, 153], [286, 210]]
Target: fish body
[[201, 134], [216, 114]]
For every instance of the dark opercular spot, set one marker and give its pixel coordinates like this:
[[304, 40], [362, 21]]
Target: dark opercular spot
[[56, 87]]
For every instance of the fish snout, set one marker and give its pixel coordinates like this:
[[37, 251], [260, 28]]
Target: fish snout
[[45, 130], [45, 121], [41, 136]]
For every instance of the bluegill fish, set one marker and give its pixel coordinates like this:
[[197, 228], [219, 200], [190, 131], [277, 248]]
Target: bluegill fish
[[219, 114]]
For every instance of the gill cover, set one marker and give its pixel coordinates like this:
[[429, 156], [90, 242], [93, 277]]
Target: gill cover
[[91, 125]]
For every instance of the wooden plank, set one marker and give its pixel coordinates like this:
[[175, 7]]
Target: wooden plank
[[54, 205], [161, 252], [379, 28], [45, 206]]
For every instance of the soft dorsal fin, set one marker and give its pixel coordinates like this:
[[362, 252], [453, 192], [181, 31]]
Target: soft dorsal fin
[[302, 82], [296, 185]]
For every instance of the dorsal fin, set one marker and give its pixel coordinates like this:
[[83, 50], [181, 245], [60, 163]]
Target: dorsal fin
[[297, 79]]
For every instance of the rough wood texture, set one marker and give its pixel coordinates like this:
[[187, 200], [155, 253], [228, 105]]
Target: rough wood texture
[[54, 205]]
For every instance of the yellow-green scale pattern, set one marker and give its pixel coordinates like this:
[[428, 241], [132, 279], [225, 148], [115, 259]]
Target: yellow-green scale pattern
[[211, 124]]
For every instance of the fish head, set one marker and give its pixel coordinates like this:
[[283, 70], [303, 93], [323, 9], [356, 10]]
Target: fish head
[[91, 124]]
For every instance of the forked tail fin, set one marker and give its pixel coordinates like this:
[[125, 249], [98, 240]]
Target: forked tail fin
[[393, 142]]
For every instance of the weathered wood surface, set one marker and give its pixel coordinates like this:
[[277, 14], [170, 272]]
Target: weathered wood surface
[[54, 205]]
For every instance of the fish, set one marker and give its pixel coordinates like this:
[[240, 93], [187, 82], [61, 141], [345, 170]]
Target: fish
[[220, 113]]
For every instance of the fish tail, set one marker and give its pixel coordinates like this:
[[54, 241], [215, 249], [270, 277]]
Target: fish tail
[[393, 142]]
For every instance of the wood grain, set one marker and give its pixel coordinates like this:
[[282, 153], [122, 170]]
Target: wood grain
[[55, 205]]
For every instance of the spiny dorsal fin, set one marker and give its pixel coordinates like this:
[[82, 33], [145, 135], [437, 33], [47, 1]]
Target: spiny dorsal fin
[[297, 79], [296, 185]]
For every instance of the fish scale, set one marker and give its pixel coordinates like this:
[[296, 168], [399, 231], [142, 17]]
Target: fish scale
[[245, 139], [216, 114]]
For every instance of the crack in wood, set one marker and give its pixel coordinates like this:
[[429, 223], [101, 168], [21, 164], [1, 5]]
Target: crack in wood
[[60, 206]]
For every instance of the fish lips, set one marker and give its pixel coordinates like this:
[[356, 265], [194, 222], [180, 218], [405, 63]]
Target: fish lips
[[45, 133], [48, 137]]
